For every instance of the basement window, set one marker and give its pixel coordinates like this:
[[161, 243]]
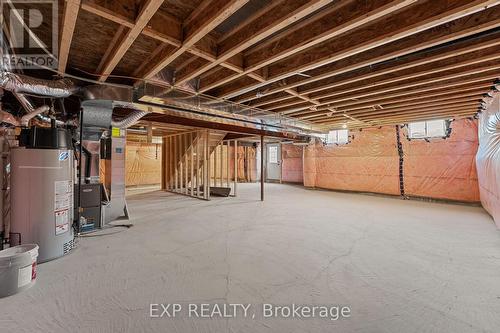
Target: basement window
[[428, 129], [339, 137]]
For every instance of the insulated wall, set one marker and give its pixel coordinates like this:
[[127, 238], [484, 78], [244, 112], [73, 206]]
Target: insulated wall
[[368, 164], [488, 158], [292, 165], [441, 168], [142, 164]]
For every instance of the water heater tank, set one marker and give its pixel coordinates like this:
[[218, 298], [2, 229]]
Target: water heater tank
[[42, 199]]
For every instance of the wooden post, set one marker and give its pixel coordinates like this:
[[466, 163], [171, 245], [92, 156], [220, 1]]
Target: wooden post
[[164, 169]]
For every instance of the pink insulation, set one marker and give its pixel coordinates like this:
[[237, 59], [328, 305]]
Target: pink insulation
[[488, 158], [368, 164], [292, 169], [443, 169]]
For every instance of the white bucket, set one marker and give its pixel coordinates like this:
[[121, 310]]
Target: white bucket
[[17, 268]]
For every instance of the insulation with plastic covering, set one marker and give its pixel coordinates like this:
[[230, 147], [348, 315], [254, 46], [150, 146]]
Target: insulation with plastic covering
[[440, 169], [443, 168], [370, 163], [292, 166], [488, 158]]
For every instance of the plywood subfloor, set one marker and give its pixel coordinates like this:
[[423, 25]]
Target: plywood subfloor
[[402, 266]]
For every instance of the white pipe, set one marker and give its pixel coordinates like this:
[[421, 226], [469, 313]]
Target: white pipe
[[27, 117]]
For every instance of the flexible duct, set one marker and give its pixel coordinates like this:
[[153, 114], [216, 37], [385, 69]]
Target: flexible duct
[[27, 117], [28, 106], [133, 118], [18, 83]]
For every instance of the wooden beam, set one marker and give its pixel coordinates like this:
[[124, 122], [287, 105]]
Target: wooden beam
[[489, 67], [438, 60], [161, 27], [425, 91], [460, 28], [147, 11], [412, 94], [404, 118], [477, 93], [450, 52], [344, 16], [369, 87], [430, 70], [71, 8], [399, 106], [113, 45], [215, 14], [472, 100], [428, 115]]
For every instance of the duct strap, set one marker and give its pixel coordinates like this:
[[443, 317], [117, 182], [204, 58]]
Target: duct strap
[[401, 162]]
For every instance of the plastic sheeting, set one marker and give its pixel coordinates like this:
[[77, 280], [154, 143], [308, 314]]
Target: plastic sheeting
[[368, 164], [488, 158], [443, 168], [142, 164], [292, 165]]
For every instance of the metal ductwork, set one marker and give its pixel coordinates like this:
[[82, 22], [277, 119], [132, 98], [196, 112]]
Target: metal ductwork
[[23, 84]]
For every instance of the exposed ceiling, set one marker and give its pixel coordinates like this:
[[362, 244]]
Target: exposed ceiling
[[346, 62]]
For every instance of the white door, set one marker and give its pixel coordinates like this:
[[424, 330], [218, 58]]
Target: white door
[[273, 161]]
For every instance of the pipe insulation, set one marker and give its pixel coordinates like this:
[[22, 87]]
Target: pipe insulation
[[23, 84]]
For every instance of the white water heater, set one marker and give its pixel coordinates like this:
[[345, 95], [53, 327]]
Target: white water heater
[[42, 200]]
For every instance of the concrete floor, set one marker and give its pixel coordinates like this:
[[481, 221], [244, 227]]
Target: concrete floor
[[401, 266]]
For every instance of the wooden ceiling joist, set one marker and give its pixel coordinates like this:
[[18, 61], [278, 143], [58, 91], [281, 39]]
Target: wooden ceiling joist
[[477, 94], [411, 95], [148, 9], [453, 104], [329, 62], [197, 28], [426, 90], [461, 28], [437, 73], [490, 67], [288, 12], [344, 16], [71, 8], [402, 119]]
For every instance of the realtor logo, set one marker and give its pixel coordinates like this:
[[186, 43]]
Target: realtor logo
[[30, 33]]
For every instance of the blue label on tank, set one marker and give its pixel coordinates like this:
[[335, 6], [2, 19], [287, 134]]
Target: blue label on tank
[[63, 156]]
